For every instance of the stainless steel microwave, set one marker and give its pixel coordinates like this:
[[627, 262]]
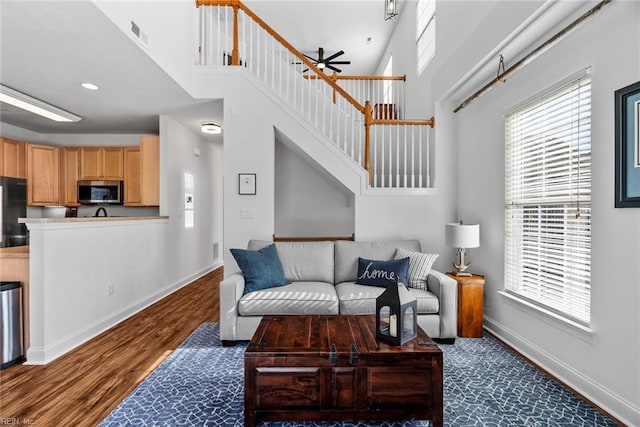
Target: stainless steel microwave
[[100, 192]]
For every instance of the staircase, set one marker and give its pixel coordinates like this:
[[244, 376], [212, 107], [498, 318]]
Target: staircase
[[358, 114]]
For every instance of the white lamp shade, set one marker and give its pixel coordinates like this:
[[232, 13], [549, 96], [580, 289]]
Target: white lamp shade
[[462, 235]]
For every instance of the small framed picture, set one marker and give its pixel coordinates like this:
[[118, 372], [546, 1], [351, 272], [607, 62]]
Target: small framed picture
[[247, 184]]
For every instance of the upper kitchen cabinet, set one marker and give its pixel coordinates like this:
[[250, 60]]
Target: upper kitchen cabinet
[[69, 175], [42, 175], [12, 158], [102, 163], [132, 177], [142, 173]]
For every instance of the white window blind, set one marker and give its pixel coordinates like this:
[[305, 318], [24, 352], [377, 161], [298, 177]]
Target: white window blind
[[548, 201], [425, 33]]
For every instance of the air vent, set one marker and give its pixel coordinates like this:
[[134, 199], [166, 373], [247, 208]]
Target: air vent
[[141, 35]]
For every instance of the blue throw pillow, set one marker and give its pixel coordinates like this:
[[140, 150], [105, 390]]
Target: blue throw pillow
[[261, 269], [381, 273]]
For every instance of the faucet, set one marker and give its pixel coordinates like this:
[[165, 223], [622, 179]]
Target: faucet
[[101, 209]]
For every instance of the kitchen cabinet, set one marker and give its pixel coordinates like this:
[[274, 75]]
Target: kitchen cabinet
[[12, 158], [132, 177], [102, 163], [42, 175], [69, 176], [142, 173]]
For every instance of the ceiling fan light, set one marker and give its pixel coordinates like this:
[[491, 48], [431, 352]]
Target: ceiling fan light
[[210, 128], [321, 65]]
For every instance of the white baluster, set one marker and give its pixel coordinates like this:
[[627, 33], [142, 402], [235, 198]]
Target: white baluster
[[420, 157]]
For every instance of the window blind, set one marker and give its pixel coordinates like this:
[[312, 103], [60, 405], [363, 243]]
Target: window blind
[[548, 200], [425, 33]]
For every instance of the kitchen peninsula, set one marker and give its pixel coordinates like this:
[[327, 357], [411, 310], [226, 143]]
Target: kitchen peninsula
[[87, 274]]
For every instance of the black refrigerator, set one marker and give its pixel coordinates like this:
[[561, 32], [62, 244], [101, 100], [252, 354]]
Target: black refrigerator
[[13, 205]]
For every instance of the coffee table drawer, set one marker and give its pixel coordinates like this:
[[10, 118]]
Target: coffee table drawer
[[288, 388], [394, 387]]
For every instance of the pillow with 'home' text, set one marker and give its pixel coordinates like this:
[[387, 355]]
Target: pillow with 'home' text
[[261, 269], [382, 273]]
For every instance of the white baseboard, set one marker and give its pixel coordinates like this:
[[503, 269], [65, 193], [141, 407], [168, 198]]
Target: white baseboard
[[618, 407], [44, 355]]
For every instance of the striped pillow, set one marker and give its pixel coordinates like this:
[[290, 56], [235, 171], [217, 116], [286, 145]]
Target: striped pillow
[[419, 267]]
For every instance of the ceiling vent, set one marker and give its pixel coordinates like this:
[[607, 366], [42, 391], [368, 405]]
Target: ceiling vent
[[141, 35]]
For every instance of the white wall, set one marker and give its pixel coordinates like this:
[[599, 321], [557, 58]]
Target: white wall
[[308, 201], [71, 267], [605, 365], [190, 249], [171, 29]]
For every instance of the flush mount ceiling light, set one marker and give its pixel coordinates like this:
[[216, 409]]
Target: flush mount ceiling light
[[391, 10], [35, 106], [89, 86], [210, 128]]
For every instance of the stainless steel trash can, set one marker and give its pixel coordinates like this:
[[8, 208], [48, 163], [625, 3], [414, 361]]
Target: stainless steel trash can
[[11, 338]]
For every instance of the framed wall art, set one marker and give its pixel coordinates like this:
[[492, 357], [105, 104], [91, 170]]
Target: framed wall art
[[627, 129], [247, 184]]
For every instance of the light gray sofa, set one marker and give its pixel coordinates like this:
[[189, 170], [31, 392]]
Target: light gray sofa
[[321, 278]]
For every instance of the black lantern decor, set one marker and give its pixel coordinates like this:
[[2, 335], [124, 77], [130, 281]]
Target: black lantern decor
[[396, 314]]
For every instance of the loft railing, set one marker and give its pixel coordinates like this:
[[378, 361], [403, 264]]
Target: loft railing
[[385, 93], [230, 34]]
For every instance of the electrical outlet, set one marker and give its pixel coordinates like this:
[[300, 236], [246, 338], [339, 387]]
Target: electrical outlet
[[109, 288]]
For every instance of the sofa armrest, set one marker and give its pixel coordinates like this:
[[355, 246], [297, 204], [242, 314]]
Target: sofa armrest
[[231, 290], [446, 289]]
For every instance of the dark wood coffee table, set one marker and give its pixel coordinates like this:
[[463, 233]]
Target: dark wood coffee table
[[332, 368]]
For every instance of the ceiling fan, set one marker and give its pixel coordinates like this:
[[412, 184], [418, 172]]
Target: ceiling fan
[[321, 62]]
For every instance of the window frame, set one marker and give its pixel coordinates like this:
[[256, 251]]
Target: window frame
[[522, 198], [425, 33]]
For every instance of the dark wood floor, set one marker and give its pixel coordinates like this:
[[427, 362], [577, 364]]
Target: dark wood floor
[[82, 387]]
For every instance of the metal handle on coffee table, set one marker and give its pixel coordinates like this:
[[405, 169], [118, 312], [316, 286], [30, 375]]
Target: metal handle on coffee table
[[333, 354], [354, 353]]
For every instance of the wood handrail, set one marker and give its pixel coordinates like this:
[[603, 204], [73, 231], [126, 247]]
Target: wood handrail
[[314, 239], [281, 40], [428, 122], [335, 76]]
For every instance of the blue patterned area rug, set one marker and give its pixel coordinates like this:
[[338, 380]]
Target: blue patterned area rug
[[485, 384]]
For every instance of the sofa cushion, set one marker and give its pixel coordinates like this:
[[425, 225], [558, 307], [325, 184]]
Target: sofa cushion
[[382, 273], [361, 299], [294, 298], [419, 267], [357, 299], [347, 254], [261, 269], [303, 261]]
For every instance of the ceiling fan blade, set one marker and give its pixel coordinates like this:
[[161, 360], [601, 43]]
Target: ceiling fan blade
[[341, 62], [309, 57], [320, 54], [335, 55], [331, 67]]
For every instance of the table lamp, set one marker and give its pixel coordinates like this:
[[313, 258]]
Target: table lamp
[[461, 236]]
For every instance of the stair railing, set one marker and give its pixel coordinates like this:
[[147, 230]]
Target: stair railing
[[233, 35]]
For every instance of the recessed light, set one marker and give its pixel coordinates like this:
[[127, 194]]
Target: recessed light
[[89, 86], [210, 128]]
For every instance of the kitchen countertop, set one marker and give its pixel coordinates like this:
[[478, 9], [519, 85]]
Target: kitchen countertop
[[87, 219], [15, 252]]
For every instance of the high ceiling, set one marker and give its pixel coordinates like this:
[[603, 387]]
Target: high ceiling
[[49, 47]]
